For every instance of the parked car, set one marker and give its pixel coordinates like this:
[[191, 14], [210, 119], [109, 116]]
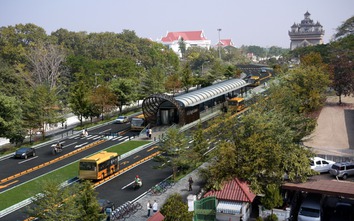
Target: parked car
[[310, 209], [25, 152], [104, 204], [321, 165], [122, 119], [342, 169], [343, 212]]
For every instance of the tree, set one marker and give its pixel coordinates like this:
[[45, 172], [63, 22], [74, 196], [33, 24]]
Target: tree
[[103, 99], [86, 199], [182, 46], [347, 28], [342, 75], [173, 83], [174, 209], [154, 81], [125, 91], [173, 149], [272, 198], [79, 100], [11, 118], [55, 203], [46, 62], [187, 77]]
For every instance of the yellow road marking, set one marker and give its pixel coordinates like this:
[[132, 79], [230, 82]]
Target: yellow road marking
[[6, 185], [52, 161]]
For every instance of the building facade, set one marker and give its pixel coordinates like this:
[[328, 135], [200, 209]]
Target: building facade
[[189, 38], [306, 33]]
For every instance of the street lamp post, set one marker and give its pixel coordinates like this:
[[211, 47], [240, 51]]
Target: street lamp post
[[219, 30]]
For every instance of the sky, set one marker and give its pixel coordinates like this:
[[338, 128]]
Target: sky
[[263, 23]]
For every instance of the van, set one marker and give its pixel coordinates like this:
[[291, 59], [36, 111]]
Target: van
[[310, 209]]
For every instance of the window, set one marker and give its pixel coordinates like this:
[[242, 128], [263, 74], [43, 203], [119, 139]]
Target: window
[[324, 162]]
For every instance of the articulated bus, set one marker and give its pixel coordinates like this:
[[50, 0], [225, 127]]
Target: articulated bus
[[236, 104], [98, 166], [137, 123]]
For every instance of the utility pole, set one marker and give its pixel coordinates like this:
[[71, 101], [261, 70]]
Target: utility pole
[[219, 30]]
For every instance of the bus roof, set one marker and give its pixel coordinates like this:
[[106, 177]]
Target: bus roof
[[99, 157], [237, 99], [141, 116]]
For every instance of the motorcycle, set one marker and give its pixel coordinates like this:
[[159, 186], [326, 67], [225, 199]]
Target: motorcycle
[[137, 183], [57, 148]]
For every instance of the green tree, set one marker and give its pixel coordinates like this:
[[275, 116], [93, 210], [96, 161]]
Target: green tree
[[187, 78], [79, 100], [55, 203], [174, 209], [11, 119], [272, 198], [347, 28], [154, 81], [86, 199], [182, 47], [173, 150], [125, 91]]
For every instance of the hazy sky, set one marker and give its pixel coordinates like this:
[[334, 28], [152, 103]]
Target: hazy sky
[[263, 23]]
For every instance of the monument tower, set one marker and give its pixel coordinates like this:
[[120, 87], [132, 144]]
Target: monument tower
[[306, 33]]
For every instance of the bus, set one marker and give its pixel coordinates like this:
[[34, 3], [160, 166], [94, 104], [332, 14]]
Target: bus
[[236, 104], [137, 123], [256, 80], [98, 166]]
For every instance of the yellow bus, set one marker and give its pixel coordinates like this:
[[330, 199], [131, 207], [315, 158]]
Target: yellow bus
[[236, 104], [137, 123], [98, 166]]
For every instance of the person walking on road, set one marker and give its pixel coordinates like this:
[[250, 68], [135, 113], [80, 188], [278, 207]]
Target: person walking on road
[[150, 133], [148, 207], [154, 207], [190, 182]]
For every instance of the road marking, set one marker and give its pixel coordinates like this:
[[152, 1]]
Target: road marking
[[127, 185], [80, 145], [6, 185], [27, 160], [69, 145], [104, 131]]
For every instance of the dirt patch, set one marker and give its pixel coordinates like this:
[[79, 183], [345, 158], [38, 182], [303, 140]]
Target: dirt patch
[[334, 133]]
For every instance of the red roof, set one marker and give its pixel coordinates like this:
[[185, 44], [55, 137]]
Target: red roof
[[225, 42], [234, 190], [186, 35], [156, 217]]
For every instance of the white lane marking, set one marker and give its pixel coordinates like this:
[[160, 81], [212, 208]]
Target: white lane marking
[[80, 145], [69, 145], [104, 131], [28, 159], [129, 184]]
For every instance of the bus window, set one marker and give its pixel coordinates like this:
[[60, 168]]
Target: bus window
[[137, 123]]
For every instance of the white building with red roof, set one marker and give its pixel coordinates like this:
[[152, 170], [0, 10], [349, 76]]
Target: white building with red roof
[[233, 201], [225, 43], [190, 38]]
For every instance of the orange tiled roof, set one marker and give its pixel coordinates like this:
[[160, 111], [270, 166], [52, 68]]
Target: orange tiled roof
[[234, 190], [156, 217]]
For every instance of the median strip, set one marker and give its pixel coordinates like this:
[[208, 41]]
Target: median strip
[[52, 161]]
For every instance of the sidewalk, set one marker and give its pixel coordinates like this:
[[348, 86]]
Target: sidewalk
[[181, 187]]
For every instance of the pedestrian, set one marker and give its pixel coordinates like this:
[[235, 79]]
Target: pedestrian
[[148, 206], [190, 182], [108, 213], [154, 207], [150, 133], [147, 132]]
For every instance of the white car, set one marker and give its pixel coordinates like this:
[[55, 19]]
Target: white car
[[321, 165], [122, 119]]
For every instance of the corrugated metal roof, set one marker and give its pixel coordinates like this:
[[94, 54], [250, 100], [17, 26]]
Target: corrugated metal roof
[[199, 96], [234, 190]]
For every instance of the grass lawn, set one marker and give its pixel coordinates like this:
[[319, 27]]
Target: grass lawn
[[70, 171]]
